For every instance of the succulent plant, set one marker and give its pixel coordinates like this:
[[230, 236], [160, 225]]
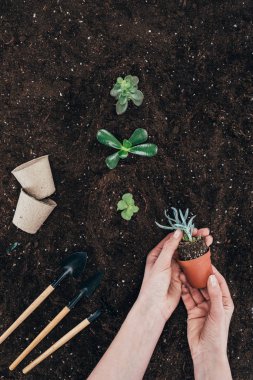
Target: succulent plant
[[179, 221], [127, 207], [124, 90], [132, 145]]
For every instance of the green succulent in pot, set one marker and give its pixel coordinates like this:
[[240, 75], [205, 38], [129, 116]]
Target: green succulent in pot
[[194, 255], [133, 145], [125, 90], [179, 221]]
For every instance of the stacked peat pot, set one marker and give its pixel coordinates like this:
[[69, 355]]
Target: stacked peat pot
[[37, 183]]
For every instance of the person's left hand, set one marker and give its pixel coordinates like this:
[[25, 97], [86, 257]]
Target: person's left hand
[[161, 286]]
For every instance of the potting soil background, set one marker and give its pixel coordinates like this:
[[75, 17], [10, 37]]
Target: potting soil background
[[59, 61]]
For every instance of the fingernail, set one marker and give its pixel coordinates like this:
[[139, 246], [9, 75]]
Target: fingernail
[[177, 234], [213, 280]]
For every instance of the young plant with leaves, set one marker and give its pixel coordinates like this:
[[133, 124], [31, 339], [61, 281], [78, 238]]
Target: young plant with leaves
[[124, 90], [179, 221], [194, 255], [127, 206], [132, 145]]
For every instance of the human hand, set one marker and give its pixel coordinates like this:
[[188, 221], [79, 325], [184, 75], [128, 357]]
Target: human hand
[[161, 287], [209, 315]]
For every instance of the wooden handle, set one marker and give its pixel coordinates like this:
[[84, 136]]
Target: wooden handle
[[40, 337], [57, 345], [27, 312]]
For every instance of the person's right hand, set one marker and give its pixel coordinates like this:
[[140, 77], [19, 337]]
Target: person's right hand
[[209, 315]]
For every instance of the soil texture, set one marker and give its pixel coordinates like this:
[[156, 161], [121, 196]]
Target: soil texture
[[59, 61], [192, 250]]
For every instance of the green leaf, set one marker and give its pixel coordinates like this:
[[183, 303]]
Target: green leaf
[[130, 208], [121, 205], [139, 136], [112, 160], [128, 198], [122, 99], [127, 84], [129, 212], [106, 138], [120, 109], [148, 150], [123, 154], [127, 144], [12, 247], [137, 97], [132, 90], [135, 80], [128, 78], [114, 92], [135, 209], [120, 80], [125, 215]]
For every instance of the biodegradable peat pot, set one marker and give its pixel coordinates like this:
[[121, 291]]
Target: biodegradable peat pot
[[31, 213], [35, 177], [195, 261]]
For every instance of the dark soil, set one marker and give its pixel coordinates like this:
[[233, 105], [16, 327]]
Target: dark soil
[[191, 250], [59, 61]]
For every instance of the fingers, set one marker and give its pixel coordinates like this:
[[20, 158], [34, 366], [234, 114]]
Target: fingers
[[209, 240], [215, 294], [205, 232], [201, 232], [205, 294], [164, 259], [226, 296], [196, 294], [153, 255], [187, 298]]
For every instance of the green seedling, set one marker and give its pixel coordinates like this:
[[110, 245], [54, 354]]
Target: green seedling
[[12, 247], [127, 207], [124, 90], [132, 145], [179, 221]]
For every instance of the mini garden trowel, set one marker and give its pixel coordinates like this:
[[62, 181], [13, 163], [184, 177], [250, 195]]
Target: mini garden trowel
[[66, 338], [72, 266], [86, 291]]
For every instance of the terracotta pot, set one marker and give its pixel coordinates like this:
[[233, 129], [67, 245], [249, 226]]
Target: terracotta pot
[[35, 177], [31, 213], [197, 270]]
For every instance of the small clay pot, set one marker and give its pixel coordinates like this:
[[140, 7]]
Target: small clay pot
[[31, 213], [35, 177], [195, 261]]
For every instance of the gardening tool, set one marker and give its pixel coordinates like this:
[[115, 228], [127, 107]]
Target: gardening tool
[[66, 338], [88, 288], [72, 266]]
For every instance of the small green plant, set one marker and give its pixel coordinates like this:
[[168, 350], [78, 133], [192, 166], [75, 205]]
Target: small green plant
[[179, 221], [12, 247], [127, 207], [132, 145], [124, 90]]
